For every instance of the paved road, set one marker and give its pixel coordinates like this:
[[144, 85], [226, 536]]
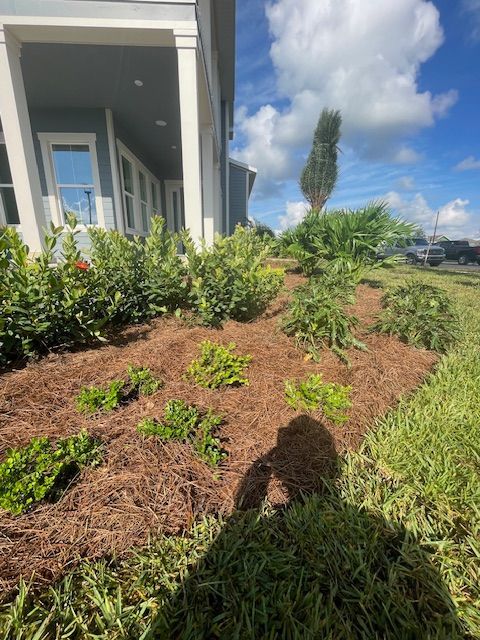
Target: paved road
[[450, 265]]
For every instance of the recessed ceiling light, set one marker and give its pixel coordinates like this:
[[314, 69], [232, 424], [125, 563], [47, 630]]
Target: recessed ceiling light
[[138, 83], [160, 123]]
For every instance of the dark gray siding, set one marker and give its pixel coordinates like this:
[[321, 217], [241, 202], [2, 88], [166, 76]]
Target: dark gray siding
[[77, 121], [238, 196]]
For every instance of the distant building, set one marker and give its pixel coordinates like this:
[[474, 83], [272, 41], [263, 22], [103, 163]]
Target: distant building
[[438, 239]]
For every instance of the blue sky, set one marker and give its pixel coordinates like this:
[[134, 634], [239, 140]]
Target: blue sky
[[405, 76]]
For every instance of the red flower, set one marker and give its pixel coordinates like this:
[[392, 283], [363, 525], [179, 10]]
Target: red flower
[[82, 265]]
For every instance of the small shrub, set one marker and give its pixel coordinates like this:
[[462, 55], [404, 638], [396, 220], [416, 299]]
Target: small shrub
[[143, 381], [347, 241], [39, 470], [218, 366], [420, 314], [311, 394], [317, 318], [185, 423], [228, 280], [93, 399]]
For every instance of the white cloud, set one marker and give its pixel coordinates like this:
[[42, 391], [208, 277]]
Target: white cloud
[[406, 183], [468, 164], [406, 155], [454, 218], [295, 212], [473, 7], [361, 57]]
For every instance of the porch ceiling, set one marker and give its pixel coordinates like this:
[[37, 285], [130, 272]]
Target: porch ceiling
[[87, 76]]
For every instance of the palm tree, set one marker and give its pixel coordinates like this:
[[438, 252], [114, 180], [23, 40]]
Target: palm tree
[[320, 174]]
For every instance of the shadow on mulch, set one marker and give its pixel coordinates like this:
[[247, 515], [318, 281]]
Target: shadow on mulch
[[144, 486]]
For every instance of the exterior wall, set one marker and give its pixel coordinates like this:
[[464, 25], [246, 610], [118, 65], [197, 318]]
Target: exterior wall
[[238, 197], [76, 121]]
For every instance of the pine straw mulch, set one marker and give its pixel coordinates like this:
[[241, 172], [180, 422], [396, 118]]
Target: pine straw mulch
[[144, 486]]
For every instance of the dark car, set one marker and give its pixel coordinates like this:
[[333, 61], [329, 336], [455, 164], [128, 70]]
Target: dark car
[[461, 251]]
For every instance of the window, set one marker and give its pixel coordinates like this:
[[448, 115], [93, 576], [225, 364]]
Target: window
[[141, 192], [8, 204], [71, 172]]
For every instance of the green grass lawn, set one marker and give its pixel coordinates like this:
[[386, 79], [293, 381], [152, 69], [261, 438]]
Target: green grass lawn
[[391, 549]]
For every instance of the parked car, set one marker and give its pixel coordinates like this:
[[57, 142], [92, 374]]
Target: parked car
[[461, 251], [415, 250]]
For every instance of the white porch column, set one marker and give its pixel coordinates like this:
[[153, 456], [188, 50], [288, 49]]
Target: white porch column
[[186, 43], [19, 143], [208, 185]]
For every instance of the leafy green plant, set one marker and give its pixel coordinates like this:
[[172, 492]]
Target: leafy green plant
[[311, 394], [218, 366], [185, 423], [143, 381], [93, 399], [229, 280], [346, 241], [317, 317], [320, 173], [420, 314], [39, 470], [44, 306]]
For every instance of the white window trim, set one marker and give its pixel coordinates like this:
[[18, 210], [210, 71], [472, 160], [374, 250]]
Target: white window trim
[[170, 187], [138, 166], [46, 142], [3, 217]]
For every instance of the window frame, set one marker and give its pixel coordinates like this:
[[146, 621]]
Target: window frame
[[47, 140], [150, 181], [3, 217]]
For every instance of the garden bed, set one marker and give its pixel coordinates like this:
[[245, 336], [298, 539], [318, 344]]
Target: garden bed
[[145, 486]]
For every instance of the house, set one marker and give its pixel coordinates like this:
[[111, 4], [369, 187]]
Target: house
[[117, 110]]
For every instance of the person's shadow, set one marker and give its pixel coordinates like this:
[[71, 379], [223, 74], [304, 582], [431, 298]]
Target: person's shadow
[[320, 567]]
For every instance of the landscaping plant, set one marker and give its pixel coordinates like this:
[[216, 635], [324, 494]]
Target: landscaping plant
[[420, 314], [320, 173], [229, 279], [43, 307], [58, 299], [316, 317], [218, 366], [312, 394], [39, 470], [185, 423], [142, 380], [145, 278], [346, 241], [94, 399]]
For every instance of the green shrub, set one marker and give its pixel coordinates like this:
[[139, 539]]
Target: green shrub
[[420, 314], [186, 423], [311, 394], [143, 381], [44, 307], [316, 317], [218, 366], [39, 470], [346, 241], [145, 279], [93, 399], [228, 280]]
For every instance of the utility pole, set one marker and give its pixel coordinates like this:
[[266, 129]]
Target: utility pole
[[432, 241]]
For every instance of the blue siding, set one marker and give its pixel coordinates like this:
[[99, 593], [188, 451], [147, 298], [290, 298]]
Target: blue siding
[[238, 196], [77, 121]]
